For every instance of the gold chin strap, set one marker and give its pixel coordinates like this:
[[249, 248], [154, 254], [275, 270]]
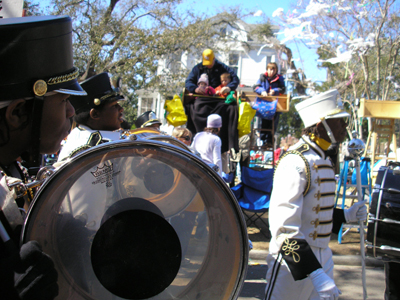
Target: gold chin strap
[[324, 145]]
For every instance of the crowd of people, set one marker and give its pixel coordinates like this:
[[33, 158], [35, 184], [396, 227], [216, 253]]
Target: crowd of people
[[40, 94]]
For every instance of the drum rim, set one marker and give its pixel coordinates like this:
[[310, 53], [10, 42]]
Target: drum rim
[[243, 265], [373, 245]]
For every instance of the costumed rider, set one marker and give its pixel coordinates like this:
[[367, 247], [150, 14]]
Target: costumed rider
[[37, 78], [302, 213], [98, 116], [214, 69], [148, 119]]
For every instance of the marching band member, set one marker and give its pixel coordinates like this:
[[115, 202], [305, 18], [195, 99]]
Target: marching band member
[[302, 214], [97, 116], [37, 78], [148, 119]]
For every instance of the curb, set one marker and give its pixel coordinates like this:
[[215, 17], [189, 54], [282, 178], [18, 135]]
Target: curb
[[347, 260]]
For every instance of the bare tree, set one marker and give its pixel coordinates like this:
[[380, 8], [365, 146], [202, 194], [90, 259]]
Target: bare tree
[[360, 36], [357, 41]]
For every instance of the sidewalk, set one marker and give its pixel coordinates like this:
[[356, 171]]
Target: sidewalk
[[346, 253], [347, 278], [259, 256]]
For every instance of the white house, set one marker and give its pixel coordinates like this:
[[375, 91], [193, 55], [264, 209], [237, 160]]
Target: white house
[[248, 57]]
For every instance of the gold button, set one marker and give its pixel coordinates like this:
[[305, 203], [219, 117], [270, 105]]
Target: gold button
[[40, 87], [315, 223]]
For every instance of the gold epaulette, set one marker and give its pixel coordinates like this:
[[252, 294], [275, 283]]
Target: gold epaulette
[[299, 151], [94, 139]]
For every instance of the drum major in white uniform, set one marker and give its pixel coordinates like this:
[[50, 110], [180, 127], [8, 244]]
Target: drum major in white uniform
[[302, 213]]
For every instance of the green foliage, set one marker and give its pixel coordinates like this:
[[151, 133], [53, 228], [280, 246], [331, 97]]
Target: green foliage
[[130, 110], [290, 122], [31, 9]]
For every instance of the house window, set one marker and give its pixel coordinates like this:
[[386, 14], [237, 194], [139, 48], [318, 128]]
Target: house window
[[223, 31], [174, 63], [234, 61], [147, 104]]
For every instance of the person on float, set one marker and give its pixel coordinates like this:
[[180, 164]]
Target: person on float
[[148, 119], [203, 84], [98, 116], [302, 213], [37, 78], [270, 84], [225, 80], [214, 69]]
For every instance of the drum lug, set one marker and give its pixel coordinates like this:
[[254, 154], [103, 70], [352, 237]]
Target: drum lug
[[385, 220], [383, 247], [133, 137]]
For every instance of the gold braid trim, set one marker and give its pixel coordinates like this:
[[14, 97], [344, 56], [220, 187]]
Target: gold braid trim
[[299, 151], [108, 96], [64, 78], [289, 248], [147, 122], [78, 150]]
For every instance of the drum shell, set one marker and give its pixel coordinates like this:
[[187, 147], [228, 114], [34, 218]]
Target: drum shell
[[384, 205], [217, 237]]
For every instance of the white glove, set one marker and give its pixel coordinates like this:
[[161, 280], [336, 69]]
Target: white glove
[[358, 211], [5, 182], [7, 202], [264, 94], [324, 285]]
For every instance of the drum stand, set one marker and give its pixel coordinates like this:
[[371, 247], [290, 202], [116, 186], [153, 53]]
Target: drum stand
[[343, 178]]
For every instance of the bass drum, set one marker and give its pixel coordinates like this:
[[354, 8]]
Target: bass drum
[[383, 236], [118, 225], [149, 133]]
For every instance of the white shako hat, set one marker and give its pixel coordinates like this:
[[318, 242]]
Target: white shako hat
[[327, 105]]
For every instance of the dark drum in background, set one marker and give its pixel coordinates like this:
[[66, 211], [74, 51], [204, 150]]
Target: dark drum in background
[[383, 237]]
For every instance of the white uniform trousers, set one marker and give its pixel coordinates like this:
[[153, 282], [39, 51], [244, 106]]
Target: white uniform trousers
[[282, 286]]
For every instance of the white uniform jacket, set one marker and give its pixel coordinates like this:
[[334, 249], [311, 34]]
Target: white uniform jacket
[[80, 137], [301, 211]]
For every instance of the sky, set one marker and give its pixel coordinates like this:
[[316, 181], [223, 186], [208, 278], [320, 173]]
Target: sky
[[308, 57]]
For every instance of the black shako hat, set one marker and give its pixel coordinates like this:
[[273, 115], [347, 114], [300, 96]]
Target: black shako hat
[[146, 119], [36, 57], [99, 90]]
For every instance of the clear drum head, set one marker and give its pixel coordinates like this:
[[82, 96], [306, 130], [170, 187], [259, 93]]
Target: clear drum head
[[140, 220]]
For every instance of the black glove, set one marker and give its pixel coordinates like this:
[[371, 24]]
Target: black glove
[[37, 277]]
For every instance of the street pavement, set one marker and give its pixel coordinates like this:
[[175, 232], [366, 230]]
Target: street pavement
[[347, 274]]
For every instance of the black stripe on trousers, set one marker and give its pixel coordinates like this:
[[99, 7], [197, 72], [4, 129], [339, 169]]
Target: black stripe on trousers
[[274, 275]]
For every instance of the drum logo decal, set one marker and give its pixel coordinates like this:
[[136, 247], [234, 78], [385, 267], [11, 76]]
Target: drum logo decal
[[104, 174]]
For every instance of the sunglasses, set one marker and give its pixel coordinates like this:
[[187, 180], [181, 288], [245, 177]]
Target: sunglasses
[[186, 138]]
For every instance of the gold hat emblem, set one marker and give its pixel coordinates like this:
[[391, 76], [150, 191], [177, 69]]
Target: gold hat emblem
[[97, 101], [40, 87]]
